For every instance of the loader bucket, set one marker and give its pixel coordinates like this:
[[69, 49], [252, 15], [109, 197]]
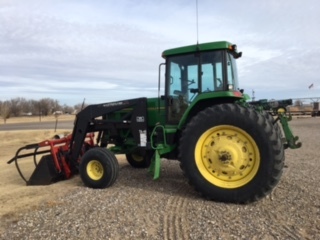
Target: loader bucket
[[45, 172], [55, 164]]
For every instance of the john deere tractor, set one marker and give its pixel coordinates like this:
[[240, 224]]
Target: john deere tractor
[[229, 149]]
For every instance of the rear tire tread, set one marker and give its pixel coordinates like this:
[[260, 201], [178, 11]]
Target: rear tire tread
[[221, 114]]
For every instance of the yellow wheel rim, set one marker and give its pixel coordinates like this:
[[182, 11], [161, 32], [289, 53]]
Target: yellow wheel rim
[[281, 110], [95, 170], [227, 156], [137, 157]]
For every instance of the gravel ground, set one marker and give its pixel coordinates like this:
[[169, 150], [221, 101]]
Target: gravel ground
[[136, 207]]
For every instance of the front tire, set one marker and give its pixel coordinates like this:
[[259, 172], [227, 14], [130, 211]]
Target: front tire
[[231, 154], [99, 168]]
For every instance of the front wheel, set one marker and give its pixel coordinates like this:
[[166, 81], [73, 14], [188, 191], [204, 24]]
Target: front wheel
[[99, 168], [231, 154]]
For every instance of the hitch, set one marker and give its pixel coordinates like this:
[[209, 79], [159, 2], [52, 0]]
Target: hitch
[[278, 108], [161, 147], [290, 139], [56, 164]]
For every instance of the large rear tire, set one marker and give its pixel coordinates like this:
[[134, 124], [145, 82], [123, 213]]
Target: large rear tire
[[231, 154], [99, 168]]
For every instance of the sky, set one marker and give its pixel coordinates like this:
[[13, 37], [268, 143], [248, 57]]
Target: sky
[[102, 51]]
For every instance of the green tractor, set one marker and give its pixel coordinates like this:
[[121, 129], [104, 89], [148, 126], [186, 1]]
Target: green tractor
[[229, 149]]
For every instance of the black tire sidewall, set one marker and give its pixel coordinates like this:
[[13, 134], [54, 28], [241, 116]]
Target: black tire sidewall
[[108, 162], [261, 131]]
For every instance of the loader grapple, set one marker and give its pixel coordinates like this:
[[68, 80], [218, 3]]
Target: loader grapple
[[55, 165]]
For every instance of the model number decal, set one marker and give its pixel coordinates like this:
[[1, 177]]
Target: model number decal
[[140, 118], [112, 104]]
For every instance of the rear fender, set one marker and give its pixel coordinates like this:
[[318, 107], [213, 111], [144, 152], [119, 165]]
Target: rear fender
[[205, 100]]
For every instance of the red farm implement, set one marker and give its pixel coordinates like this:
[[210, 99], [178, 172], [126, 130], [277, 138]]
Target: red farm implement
[[54, 164]]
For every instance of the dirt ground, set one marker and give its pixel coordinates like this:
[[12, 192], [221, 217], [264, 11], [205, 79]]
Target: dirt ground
[[292, 209], [14, 195]]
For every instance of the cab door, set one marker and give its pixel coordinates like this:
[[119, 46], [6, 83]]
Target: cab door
[[181, 85]]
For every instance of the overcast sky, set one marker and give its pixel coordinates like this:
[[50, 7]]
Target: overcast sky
[[105, 51]]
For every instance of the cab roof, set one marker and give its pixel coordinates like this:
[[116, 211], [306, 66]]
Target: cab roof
[[197, 48]]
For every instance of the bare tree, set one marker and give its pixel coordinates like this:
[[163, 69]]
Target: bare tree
[[16, 106], [5, 110], [42, 107], [67, 109], [48, 106], [35, 107], [26, 106], [78, 107]]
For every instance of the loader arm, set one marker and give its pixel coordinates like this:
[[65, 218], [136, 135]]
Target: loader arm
[[86, 121]]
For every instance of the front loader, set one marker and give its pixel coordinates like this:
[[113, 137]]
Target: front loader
[[229, 148]]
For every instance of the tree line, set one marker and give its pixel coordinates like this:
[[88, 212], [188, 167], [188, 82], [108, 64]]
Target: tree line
[[17, 107]]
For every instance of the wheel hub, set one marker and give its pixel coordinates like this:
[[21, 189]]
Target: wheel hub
[[95, 170], [227, 156], [224, 157]]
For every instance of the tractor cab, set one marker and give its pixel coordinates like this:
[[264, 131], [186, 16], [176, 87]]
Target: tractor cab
[[195, 70]]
